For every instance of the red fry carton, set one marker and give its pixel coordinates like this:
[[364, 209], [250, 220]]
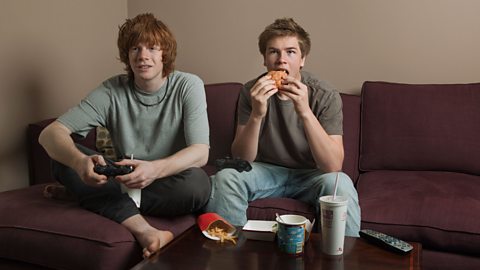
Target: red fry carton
[[211, 220]]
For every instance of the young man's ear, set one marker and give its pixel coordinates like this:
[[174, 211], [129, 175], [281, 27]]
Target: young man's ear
[[303, 62]]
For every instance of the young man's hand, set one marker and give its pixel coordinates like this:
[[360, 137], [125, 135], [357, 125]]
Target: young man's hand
[[261, 91], [84, 168], [297, 92], [144, 173]]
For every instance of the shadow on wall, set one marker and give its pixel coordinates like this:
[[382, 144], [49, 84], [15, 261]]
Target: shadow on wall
[[23, 100]]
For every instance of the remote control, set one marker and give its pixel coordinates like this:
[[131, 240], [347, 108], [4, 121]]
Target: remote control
[[235, 163], [386, 241], [112, 170]]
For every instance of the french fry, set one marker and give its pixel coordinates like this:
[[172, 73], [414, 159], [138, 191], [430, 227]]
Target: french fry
[[222, 234]]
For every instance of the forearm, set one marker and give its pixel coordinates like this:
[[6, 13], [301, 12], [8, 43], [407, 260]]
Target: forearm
[[58, 144], [327, 150], [195, 155], [245, 144]]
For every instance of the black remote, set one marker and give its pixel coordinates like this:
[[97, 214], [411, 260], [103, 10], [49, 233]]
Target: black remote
[[112, 170], [235, 163], [386, 241]]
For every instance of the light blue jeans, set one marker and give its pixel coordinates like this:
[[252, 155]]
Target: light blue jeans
[[232, 190]]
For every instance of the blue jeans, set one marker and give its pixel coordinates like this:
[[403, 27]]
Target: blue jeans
[[232, 190]]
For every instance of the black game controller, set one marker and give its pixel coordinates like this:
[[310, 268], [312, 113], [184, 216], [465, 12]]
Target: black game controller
[[234, 163], [112, 170]]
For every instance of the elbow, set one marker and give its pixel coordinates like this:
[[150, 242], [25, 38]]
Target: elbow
[[331, 167], [203, 160], [43, 135], [335, 164], [241, 155]]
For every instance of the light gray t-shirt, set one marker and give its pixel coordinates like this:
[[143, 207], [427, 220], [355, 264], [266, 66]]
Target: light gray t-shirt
[[282, 137], [149, 126]]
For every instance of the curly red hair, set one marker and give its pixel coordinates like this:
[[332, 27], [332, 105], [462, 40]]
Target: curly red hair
[[145, 28]]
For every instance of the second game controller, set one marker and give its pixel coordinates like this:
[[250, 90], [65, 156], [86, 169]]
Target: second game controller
[[235, 163]]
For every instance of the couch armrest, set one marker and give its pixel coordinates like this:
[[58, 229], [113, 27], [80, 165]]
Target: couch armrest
[[38, 161]]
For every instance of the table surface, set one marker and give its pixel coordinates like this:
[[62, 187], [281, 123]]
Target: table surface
[[192, 250]]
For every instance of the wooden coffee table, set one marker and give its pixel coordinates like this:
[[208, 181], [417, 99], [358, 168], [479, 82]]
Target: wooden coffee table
[[192, 250]]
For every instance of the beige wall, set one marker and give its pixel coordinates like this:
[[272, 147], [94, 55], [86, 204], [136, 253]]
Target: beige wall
[[415, 41], [53, 52]]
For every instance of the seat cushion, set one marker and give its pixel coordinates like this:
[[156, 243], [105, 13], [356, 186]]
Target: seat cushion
[[438, 209], [437, 260], [265, 209], [61, 235]]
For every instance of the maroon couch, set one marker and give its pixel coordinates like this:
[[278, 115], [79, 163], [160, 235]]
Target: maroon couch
[[412, 151], [420, 168]]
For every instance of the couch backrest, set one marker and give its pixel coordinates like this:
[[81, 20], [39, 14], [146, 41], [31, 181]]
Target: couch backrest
[[433, 127], [221, 107], [351, 134]]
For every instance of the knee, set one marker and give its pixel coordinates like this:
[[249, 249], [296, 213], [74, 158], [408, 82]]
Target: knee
[[201, 182], [344, 185], [226, 180], [196, 173], [192, 187]]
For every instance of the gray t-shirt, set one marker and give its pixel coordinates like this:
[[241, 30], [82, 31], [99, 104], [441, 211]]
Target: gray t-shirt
[[282, 137], [149, 126]]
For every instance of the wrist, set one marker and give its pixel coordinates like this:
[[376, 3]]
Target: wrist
[[307, 115], [159, 166], [77, 162], [256, 119]]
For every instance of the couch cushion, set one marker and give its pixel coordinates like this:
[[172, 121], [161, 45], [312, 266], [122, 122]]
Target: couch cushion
[[104, 143], [438, 209], [437, 260], [18, 265], [420, 127], [221, 107], [265, 209], [61, 235]]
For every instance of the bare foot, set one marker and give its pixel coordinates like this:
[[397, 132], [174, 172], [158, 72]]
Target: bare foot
[[150, 238], [57, 191], [153, 240]]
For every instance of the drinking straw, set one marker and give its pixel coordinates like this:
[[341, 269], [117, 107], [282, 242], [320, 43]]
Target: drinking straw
[[335, 188]]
